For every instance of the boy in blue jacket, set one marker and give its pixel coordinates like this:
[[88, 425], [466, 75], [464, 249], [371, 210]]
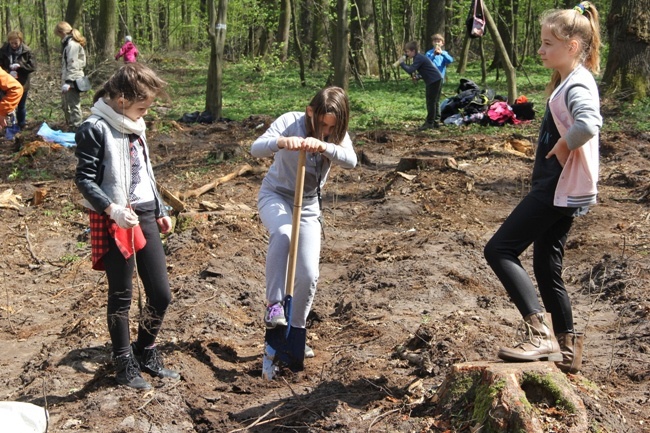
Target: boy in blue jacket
[[432, 78]]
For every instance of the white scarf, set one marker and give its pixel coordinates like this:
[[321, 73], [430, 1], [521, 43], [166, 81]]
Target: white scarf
[[118, 121]]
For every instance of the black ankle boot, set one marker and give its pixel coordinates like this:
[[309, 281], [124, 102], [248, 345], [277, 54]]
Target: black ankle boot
[[128, 372], [151, 362]]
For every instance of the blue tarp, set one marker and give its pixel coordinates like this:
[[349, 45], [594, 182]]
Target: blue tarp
[[63, 138]]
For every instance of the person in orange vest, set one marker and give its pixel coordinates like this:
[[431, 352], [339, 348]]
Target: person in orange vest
[[11, 91]]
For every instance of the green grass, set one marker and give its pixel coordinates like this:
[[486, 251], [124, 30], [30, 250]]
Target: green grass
[[255, 87]]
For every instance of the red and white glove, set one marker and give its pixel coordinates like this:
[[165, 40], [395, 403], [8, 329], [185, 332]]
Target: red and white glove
[[65, 88], [14, 66]]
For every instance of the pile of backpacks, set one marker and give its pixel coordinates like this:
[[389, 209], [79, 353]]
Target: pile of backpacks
[[471, 104]]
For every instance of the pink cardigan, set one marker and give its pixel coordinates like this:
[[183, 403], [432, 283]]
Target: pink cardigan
[[129, 51], [577, 186]]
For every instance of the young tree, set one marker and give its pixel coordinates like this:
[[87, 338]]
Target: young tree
[[627, 73], [217, 32]]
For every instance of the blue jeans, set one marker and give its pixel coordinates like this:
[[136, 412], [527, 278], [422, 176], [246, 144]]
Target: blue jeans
[[21, 110]]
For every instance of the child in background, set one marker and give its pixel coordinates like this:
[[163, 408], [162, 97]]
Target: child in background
[[115, 177], [564, 185], [19, 60], [128, 50], [438, 55], [432, 79], [73, 62], [322, 132], [12, 92], [440, 59]]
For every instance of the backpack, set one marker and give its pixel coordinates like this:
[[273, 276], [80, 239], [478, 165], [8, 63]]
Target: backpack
[[475, 22]]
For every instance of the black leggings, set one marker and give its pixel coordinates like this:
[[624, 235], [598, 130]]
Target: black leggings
[[152, 270], [533, 222]]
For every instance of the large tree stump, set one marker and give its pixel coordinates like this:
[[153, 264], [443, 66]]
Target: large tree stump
[[531, 397]]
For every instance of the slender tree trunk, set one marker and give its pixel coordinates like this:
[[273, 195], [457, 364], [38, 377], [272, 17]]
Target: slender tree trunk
[[284, 28], [217, 14], [341, 44], [511, 77], [362, 37], [44, 31], [163, 24], [408, 33], [627, 73], [464, 54], [298, 45]]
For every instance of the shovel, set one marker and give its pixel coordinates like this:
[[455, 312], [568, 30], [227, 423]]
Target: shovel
[[289, 343]]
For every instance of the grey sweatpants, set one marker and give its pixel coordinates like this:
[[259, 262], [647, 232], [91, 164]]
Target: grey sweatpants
[[276, 213]]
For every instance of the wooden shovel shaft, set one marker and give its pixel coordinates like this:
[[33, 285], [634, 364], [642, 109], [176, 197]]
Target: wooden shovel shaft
[[295, 223]]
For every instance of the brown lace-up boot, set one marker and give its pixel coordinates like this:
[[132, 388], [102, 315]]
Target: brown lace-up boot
[[571, 347], [537, 341]]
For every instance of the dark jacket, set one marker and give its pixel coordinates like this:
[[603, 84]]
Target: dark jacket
[[25, 59], [426, 68]]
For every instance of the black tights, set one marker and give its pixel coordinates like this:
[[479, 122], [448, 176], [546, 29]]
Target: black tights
[[533, 222], [152, 270]]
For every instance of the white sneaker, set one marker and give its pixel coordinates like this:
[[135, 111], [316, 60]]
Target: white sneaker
[[309, 352], [269, 369]]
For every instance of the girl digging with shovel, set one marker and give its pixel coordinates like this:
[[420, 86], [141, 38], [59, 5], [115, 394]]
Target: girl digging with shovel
[[304, 147]]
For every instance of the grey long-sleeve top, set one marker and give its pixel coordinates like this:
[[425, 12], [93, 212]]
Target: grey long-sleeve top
[[281, 176]]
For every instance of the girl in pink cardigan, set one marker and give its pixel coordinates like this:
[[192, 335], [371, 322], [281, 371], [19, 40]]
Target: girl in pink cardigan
[[128, 50], [564, 185]]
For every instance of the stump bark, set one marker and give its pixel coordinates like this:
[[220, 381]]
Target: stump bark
[[531, 397]]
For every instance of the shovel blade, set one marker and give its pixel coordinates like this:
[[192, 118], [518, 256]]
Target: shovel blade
[[289, 345]]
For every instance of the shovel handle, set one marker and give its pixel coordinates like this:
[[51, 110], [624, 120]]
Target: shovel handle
[[295, 223]]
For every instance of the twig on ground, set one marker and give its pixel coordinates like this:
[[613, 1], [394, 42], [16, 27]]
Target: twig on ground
[[378, 417], [259, 419], [29, 246]]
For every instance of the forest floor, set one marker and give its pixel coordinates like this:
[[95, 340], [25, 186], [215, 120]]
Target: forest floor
[[402, 270]]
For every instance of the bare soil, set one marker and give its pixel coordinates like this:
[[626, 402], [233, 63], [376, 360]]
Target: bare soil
[[404, 291]]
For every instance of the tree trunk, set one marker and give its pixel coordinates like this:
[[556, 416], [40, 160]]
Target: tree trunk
[[362, 37], [341, 44], [627, 73], [44, 31], [409, 21], [73, 11], [511, 77], [106, 31], [436, 18], [298, 44], [217, 32], [163, 24], [319, 33], [284, 28]]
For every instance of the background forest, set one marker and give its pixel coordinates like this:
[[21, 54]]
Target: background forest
[[347, 41]]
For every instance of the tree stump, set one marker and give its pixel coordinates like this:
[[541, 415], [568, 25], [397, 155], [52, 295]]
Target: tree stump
[[533, 397]]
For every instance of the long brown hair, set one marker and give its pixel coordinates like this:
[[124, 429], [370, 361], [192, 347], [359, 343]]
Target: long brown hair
[[579, 24], [330, 100], [133, 82]]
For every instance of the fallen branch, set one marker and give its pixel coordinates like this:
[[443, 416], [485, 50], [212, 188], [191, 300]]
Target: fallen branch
[[207, 187], [173, 201]]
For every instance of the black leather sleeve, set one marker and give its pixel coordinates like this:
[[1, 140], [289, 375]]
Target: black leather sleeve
[[89, 173]]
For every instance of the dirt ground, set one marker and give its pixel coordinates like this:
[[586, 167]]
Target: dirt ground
[[404, 291]]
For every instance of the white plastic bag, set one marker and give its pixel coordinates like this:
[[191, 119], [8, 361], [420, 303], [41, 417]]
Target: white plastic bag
[[19, 417]]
